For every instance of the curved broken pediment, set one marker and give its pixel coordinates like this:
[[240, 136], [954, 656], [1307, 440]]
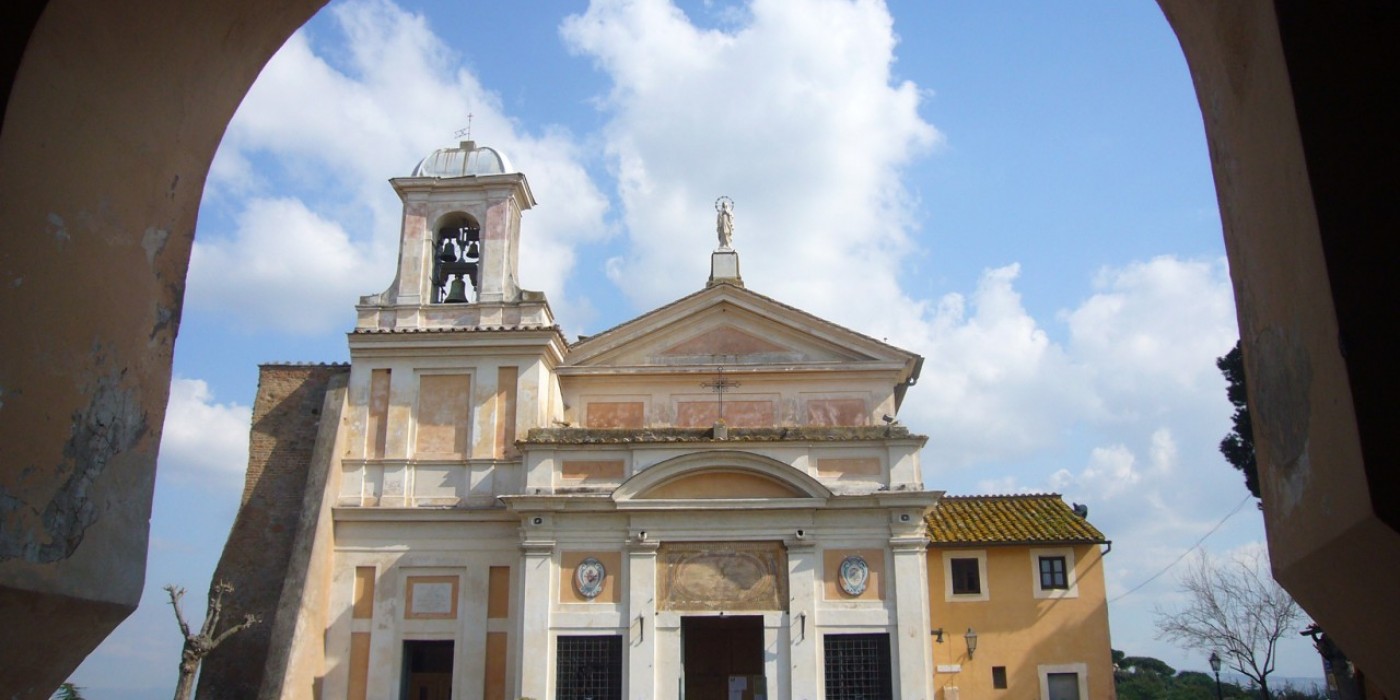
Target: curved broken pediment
[[721, 483], [720, 475]]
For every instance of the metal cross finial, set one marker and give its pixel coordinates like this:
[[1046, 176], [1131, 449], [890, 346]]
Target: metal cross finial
[[467, 132], [719, 386]]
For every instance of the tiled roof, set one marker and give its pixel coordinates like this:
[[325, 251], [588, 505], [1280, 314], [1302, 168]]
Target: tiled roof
[[1020, 519], [468, 329], [597, 436]]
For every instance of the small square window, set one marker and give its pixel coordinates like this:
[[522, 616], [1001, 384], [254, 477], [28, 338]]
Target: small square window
[[999, 677], [966, 578], [1053, 574]]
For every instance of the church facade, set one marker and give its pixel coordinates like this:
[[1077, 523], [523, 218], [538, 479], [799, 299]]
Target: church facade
[[712, 500]]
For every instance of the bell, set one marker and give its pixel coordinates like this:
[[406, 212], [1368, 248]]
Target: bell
[[471, 273], [447, 254], [458, 292], [472, 252]]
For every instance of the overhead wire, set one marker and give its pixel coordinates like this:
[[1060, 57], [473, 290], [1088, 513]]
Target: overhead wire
[[1190, 549]]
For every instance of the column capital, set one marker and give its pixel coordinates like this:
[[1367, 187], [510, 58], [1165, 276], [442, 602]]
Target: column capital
[[537, 548], [642, 549], [906, 544]]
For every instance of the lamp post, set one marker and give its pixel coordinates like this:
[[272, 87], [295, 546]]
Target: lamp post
[[971, 638], [1215, 666]]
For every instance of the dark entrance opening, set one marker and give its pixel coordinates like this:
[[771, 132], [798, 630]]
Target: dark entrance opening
[[427, 670], [720, 651]]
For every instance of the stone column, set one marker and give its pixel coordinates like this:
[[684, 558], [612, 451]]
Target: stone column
[[804, 564], [537, 596], [641, 620], [913, 648]]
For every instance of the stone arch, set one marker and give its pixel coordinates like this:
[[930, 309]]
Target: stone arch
[[743, 475], [113, 112]]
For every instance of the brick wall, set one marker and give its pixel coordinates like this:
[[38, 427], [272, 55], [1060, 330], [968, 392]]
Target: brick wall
[[286, 418]]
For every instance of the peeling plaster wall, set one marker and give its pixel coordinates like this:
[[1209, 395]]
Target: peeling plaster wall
[[267, 546], [112, 118], [1307, 184]]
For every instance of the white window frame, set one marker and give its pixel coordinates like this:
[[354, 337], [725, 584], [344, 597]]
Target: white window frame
[[1071, 591], [1081, 670], [981, 556]]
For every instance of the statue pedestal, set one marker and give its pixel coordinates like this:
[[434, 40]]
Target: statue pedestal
[[724, 268]]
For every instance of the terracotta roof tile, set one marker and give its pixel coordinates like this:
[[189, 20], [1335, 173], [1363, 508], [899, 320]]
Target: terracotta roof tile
[[1020, 519]]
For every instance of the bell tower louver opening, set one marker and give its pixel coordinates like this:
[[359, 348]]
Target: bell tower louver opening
[[459, 250]]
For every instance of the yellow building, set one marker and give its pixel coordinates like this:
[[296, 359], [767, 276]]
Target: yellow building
[[1016, 593]]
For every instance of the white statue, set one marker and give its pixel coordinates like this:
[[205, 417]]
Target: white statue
[[724, 222]]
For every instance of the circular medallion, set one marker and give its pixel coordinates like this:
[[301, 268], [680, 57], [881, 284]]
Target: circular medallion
[[588, 577], [853, 575]]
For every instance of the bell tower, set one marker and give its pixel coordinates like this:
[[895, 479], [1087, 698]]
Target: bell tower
[[459, 250]]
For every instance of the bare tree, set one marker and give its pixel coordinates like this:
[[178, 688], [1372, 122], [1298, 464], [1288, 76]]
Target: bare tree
[[198, 645], [1235, 608]]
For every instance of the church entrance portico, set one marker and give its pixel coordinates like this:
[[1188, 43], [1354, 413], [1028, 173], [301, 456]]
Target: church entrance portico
[[723, 657]]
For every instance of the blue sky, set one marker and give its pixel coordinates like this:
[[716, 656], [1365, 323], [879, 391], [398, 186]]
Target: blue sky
[[1018, 191]]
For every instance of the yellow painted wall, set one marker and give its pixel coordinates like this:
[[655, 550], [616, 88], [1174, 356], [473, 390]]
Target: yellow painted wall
[[1019, 631]]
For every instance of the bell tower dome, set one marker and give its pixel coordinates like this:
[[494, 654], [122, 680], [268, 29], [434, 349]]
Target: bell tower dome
[[459, 250]]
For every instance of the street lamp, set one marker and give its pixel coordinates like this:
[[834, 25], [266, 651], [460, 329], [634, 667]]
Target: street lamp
[[1215, 666], [971, 638]]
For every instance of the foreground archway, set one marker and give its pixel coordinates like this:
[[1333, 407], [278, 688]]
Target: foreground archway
[[114, 112], [113, 116]]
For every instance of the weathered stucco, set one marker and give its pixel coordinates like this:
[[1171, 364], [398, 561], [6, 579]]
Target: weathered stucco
[[112, 118]]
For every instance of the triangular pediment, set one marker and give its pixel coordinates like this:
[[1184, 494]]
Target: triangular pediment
[[724, 340], [730, 325]]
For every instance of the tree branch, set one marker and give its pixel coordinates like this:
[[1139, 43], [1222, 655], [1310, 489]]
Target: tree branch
[[176, 593]]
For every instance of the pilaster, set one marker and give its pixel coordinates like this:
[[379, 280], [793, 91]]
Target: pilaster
[[641, 619], [803, 584], [913, 646], [537, 586]]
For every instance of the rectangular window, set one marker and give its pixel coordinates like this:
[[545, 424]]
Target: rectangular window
[[857, 666], [999, 677], [589, 667], [1053, 575], [1062, 686], [966, 578]]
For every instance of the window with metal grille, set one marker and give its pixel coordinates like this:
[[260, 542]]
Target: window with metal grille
[[966, 579], [857, 666], [999, 677], [1052, 573], [589, 668]]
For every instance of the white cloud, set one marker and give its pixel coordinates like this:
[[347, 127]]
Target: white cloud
[[1136, 375], [793, 113], [993, 385], [1158, 324], [204, 440], [316, 140], [285, 267]]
